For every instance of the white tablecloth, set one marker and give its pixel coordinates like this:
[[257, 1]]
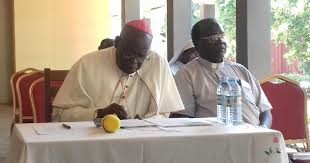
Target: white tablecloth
[[84, 143]]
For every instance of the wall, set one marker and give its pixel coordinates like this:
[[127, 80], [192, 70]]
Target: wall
[[55, 33], [5, 50]]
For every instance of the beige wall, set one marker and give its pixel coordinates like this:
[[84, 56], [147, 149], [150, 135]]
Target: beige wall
[[55, 33], [6, 66]]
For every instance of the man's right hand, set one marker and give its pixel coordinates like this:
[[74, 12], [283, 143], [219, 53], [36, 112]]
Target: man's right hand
[[113, 109]]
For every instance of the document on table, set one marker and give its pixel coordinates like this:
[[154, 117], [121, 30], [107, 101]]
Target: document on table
[[128, 123], [175, 122], [40, 130], [51, 129], [300, 155]]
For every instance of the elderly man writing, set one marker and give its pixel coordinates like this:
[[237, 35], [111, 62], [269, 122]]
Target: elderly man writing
[[198, 80], [128, 80]]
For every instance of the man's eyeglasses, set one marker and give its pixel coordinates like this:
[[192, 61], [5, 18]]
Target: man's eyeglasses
[[213, 38]]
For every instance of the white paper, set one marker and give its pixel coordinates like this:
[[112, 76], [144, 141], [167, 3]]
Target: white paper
[[135, 123], [40, 130], [174, 122], [300, 156], [50, 129]]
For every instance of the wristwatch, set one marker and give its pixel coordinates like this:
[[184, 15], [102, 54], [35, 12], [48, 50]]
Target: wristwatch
[[97, 122], [96, 119]]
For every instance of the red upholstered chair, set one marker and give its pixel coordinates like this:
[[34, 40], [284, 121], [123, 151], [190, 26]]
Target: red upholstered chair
[[289, 102], [37, 94], [53, 81], [23, 86], [301, 161], [13, 82]]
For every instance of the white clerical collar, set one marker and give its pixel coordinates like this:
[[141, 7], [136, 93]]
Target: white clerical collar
[[130, 75], [214, 65], [209, 64], [136, 72]]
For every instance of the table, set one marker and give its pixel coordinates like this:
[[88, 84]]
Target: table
[[84, 143]]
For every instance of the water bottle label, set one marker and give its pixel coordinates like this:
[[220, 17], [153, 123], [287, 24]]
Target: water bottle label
[[219, 99], [228, 101], [236, 101]]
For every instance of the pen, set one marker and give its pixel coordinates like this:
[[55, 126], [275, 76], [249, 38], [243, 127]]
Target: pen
[[66, 126]]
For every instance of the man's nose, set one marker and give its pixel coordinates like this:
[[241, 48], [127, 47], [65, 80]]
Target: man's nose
[[130, 56], [133, 60], [220, 40]]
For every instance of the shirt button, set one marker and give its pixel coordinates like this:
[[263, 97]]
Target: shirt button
[[126, 86], [130, 76]]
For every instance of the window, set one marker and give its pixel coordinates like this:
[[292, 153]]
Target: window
[[155, 11], [225, 13], [115, 15], [290, 40]]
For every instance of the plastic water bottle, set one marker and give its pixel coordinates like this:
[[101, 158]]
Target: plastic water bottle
[[222, 92], [235, 115]]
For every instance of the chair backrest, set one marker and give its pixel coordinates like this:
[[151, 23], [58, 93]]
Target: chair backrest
[[289, 102], [23, 86], [37, 97], [53, 81], [13, 82]]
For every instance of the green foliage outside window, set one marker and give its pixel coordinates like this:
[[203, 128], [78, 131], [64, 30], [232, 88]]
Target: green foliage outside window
[[290, 25], [226, 11], [226, 16], [195, 13]]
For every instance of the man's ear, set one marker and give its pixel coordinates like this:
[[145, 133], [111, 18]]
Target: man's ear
[[117, 40], [196, 44]]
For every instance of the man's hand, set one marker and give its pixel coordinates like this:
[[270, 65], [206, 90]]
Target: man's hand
[[265, 119], [114, 108]]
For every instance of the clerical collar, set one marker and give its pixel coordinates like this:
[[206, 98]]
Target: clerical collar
[[136, 72], [209, 64], [130, 75]]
